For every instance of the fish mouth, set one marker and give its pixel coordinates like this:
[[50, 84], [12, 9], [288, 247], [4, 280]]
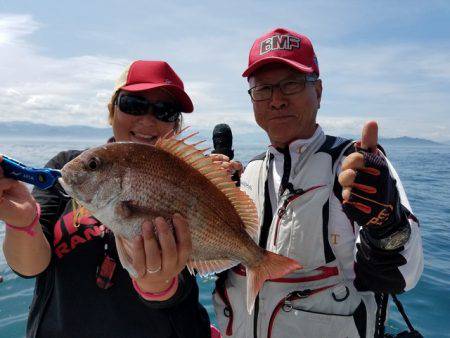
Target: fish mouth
[[65, 186], [71, 192], [143, 138], [87, 202]]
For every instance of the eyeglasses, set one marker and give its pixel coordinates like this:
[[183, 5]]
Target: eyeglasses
[[139, 106], [287, 87]]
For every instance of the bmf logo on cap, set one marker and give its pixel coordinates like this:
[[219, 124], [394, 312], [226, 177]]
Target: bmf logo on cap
[[277, 42]]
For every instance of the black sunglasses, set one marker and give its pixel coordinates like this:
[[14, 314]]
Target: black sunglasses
[[138, 106]]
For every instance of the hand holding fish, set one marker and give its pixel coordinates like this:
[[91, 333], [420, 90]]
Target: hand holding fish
[[230, 166], [161, 256], [369, 193]]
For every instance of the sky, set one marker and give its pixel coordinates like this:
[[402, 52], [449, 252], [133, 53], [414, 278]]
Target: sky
[[384, 60]]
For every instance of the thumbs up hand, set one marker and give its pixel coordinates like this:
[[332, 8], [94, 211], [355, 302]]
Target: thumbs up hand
[[369, 193]]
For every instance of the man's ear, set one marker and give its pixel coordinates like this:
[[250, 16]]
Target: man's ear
[[318, 88], [251, 81]]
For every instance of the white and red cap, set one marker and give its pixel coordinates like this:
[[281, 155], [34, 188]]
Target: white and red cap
[[144, 75], [283, 46]]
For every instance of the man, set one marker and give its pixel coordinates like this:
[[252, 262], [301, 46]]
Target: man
[[335, 206]]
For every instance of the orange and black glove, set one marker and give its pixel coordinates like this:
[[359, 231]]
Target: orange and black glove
[[374, 199], [369, 193]]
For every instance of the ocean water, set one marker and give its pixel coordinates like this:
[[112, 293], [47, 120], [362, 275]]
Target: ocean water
[[425, 173]]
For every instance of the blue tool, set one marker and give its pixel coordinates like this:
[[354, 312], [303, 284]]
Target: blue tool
[[43, 178]]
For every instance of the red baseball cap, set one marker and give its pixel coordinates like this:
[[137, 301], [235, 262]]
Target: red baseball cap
[[283, 46], [144, 75]]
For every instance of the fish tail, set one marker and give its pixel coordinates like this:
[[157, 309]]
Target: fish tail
[[272, 266]]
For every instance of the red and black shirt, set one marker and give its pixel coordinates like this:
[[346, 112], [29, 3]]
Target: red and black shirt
[[67, 301]]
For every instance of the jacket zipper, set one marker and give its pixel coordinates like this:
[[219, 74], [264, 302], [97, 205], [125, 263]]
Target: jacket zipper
[[287, 306], [282, 211]]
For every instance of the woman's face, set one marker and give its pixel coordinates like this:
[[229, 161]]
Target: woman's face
[[145, 128]]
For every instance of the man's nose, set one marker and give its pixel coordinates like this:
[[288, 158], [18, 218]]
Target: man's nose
[[278, 100]]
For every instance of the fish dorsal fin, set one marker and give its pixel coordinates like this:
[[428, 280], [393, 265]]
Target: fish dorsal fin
[[218, 176]]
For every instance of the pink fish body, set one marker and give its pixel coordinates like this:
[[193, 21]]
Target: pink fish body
[[123, 184]]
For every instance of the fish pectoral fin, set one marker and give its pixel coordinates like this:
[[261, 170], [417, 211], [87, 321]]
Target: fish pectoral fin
[[207, 267], [123, 209], [127, 209], [124, 258]]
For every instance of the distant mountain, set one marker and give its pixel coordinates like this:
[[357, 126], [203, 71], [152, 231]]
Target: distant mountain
[[401, 141], [255, 136], [408, 141], [35, 130], [397, 141]]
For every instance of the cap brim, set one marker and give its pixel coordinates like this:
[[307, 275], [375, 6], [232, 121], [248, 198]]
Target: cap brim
[[274, 59], [179, 94]]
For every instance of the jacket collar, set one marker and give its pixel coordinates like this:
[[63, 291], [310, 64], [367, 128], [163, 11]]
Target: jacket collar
[[298, 146]]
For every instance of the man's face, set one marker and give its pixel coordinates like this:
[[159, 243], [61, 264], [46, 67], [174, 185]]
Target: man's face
[[286, 118]]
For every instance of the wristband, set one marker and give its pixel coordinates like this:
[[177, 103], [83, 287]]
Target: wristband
[[156, 295], [391, 242], [29, 229]]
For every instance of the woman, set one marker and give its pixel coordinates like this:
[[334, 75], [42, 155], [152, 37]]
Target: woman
[[81, 288]]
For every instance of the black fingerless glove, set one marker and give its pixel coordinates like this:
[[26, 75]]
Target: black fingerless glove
[[374, 202]]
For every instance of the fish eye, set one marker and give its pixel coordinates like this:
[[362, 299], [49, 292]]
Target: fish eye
[[93, 163]]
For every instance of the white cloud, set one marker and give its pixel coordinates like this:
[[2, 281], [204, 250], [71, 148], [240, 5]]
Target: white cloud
[[15, 27], [43, 89], [403, 85]]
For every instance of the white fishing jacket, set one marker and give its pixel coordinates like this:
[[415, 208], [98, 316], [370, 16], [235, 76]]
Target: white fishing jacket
[[333, 295]]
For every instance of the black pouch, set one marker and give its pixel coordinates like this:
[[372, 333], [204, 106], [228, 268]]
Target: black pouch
[[107, 267], [105, 273]]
